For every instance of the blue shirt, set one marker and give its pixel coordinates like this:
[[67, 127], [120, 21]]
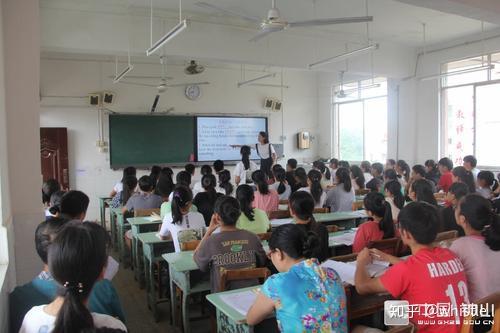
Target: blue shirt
[[308, 298]]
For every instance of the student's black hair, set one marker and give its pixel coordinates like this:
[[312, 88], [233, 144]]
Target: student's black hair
[[334, 161], [471, 159], [129, 171], [390, 174], [167, 173], [431, 164], [181, 197], [55, 202], [225, 182], [391, 161], [292, 162], [294, 241], [421, 220], [164, 187], [183, 178], [378, 167], [344, 164], [420, 170], [129, 186], [206, 170], [76, 259], [301, 177], [74, 203], [228, 209], [280, 177], [459, 190], [302, 204], [45, 233], [394, 187], [259, 179], [245, 196], [423, 191], [376, 203], [320, 165], [190, 167], [489, 178], [405, 168], [314, 177], [245, 152], [446, 162], [465, 177], [366, 166], [374, 184], [155, 174], [344, 177], [265, 136], [480, 216], [273, 169], [146, 184], [49, 186], [209, 182], [358, 176], [218, 166]]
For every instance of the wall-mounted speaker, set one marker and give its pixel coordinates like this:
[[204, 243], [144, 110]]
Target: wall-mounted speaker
[[303, 140], [278, 105], [269, 103], [95, 99], [108, 97]]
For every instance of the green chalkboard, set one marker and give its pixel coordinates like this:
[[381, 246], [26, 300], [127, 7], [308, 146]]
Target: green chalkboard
[[144, 140]]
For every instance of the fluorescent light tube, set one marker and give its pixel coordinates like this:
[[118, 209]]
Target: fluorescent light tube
[[123, 73], [256, 79], [463, 71], [368, 86], [168, 36], [344, 56]]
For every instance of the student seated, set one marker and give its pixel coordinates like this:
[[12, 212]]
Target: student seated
[[48, 188], [418, 172], [190, 168], [231, 248], [165, 190], [486, 184], [305, 296], [390, 164], [325, 174], [381, 225], [281, 186], [182, 224], [456, 192], [198, 187], [431, 275], [301, 209], [300, 179], [460, 174], [377, 180], [445, 165], [470, 163], [225, 187], [205, 200], [128, 171], [144, 199], [432, 171], [55, 205], [264, 198], [291, 165], [403, 171], [366, 167], [357, 177], [74, 205], [218, 166], [76, 259], [341, 197], [129, 184], [479, 250], [314, 188], [244, 169], [333, 165], [421, 191], [251, 219], [395, 198]]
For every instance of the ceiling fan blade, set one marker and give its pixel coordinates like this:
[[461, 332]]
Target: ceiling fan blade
[[155, 103], [158, 77], [263, 34], [138, 84], [328, 21], [188, 84], [228, 12]]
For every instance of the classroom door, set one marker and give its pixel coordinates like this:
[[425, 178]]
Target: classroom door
[[54, 154]]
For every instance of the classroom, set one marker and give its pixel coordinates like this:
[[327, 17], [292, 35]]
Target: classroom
[[249, 166]]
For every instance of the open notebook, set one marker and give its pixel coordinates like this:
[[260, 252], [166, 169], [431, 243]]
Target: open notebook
[[240, 301], [347, 270], [343, 239]]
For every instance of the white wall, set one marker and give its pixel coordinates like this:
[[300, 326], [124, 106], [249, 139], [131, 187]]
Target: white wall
[[89, 169]]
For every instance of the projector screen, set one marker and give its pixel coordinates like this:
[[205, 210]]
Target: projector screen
[[215, 135]]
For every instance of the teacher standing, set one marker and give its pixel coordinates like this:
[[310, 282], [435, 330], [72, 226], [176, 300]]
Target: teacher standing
[[266, 152]]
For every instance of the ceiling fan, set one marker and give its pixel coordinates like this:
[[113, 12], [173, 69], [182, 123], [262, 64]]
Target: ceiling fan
[[274, 22], [193, 68], [342, 93]]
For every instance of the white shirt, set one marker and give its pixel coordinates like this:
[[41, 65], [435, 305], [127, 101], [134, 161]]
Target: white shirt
[[368, 177], [37, 320], [263, 150], [197, 188], [240, 171], [285, 195], [322, 199], [192, 220], [118, 187]]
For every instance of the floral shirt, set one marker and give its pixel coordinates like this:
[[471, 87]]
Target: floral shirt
[[308, 298]]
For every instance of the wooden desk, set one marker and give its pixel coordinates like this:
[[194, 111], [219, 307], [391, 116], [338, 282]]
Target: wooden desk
[[152, 248], [103, 203], [140, 225], [343, 219]]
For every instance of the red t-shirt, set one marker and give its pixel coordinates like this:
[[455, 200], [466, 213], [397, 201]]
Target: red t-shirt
[[445, 181], [367, 232], [431, 276]]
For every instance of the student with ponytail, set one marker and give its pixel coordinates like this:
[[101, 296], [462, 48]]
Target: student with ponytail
[[479, 250], [486, 184], [357, 177], [304, 295], [244, 169], [205, 200], [325, 174], [341, 197], [421, 190], [314, 188], [460, 174], [129, 185], [395, 198], [225, 187], [266, 199], [381, 225], [77, 259], [300, 179], [403, 171], [198, 187], [243, 248], [448, 220], [251, 219], [182, 224], [281, 186]]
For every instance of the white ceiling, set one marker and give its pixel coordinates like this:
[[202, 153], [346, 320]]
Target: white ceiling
[[393, 20]]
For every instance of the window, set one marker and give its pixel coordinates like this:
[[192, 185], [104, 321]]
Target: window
[[360, 120], [470, 118]]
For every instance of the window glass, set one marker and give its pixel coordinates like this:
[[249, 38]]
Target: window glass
[[376, 129], [487, 124], [351, 131]]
